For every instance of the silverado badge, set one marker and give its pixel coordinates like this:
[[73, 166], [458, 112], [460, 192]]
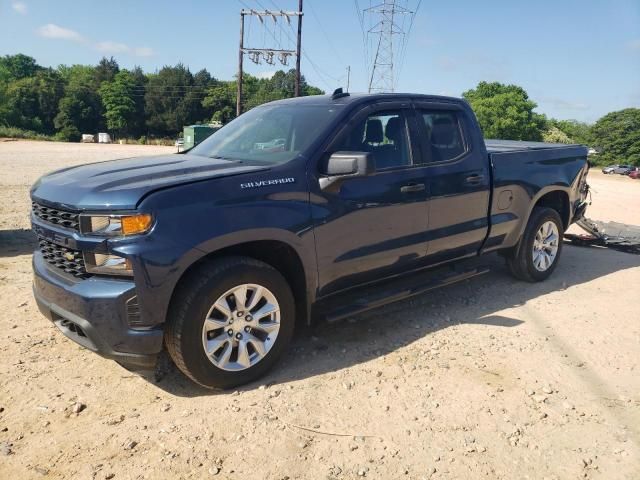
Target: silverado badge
[[264, 183]]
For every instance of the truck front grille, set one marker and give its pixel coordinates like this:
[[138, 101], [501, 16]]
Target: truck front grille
[[66, 259], [56, 216]]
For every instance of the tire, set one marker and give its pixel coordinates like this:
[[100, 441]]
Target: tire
[[196, 303], [522, 261]]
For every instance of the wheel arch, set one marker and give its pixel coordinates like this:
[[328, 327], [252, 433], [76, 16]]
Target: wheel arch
[[557, 200], [280, 255], [554, 197]]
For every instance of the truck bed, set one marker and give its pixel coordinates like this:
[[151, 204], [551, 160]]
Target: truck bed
[[521, 172], [513, 146]]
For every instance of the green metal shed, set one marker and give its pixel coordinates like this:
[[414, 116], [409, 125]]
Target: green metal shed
[[195, 134]]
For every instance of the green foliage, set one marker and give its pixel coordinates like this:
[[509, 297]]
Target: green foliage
[[15, 72], [555, 135], [578, 132], [106, 70], [18, 66], [68, 133], [221, 96], [79, 112], [36, 102], [32, 102], [78, 74], [22, 105], [76, 99], [618, 135], [505, 112], [80, 109], [172, 100], [221, 100], [119, 103], [13, 132]]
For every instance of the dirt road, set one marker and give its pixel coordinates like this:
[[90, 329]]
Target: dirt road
[[490, 378]]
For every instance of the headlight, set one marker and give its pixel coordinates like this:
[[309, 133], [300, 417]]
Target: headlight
[[107, 264], [115, 225]]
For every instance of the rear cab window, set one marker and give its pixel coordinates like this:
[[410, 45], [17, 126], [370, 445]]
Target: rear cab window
[[443, 132]]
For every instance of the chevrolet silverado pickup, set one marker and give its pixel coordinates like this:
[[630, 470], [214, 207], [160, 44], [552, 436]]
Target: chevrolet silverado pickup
[[301, 209]]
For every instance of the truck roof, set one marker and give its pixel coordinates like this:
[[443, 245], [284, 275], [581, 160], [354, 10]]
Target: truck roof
[[353, 98]]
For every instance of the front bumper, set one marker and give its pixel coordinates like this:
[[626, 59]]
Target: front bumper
[[92, 313]]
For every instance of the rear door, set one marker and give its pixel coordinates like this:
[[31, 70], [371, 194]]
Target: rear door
[[368, 228], [458, 181]]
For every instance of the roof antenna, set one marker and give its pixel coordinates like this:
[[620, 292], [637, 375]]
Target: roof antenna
[[338, 93]]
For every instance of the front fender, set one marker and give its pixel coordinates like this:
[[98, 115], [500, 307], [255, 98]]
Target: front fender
[[206, 217]]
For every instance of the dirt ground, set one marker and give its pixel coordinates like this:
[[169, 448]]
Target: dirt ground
[[490, 378]]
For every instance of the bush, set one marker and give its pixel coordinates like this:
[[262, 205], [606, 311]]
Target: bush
[[555, 135], [142, 140], [68, 134], [166, 142], [13, 132]]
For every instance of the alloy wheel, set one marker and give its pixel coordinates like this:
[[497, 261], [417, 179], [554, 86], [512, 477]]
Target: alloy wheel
[[241, 327], [545, 246]]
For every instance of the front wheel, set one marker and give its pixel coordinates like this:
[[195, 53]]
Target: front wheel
[[538, 251], [230, 321]]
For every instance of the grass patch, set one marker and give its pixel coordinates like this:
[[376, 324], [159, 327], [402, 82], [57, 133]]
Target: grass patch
[[13, 132]]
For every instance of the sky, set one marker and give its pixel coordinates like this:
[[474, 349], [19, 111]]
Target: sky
[[577, 59]]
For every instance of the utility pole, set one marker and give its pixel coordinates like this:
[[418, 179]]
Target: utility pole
[[298, 48], [269, 55], [382, 74], [240, 58]]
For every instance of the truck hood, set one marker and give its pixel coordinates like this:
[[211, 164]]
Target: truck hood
[[121, 184]]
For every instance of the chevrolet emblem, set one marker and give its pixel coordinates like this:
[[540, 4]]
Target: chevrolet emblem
[[69, 256]]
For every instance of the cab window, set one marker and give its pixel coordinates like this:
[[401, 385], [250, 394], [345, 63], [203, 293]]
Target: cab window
[[443, 132], [385, 135]]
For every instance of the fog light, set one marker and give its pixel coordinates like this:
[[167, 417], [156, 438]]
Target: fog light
[[107, 264]]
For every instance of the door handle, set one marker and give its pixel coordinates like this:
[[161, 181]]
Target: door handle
[[412, 187], [474, 179]]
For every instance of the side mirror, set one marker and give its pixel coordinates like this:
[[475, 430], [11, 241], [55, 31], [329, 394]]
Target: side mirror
[[346, 165]]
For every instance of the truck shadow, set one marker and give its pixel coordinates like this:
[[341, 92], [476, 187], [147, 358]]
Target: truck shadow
[[14, 243], [328, 348]]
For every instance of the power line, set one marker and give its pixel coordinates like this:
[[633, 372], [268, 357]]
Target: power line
[[321, 73], [382, 77], [268, 54], [360, 15], [406, 38], [324, 32]]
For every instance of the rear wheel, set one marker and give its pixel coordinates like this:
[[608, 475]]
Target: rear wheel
[[538, 251], [230, 321]]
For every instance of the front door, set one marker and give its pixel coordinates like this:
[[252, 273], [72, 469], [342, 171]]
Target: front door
[[368, 228]]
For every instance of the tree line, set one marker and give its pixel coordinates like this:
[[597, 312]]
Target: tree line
[[66, 101], [507, 112]]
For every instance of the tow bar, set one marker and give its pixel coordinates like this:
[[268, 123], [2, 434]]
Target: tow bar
[[617, 236]]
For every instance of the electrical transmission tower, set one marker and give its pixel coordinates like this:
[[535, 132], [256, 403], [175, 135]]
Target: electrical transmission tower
[[269, 55], [382, 72]]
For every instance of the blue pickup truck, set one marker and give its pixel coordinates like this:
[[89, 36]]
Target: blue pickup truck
[[301, 209]]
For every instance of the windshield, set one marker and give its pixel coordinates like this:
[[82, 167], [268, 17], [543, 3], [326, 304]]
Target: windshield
[[269, 134]]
